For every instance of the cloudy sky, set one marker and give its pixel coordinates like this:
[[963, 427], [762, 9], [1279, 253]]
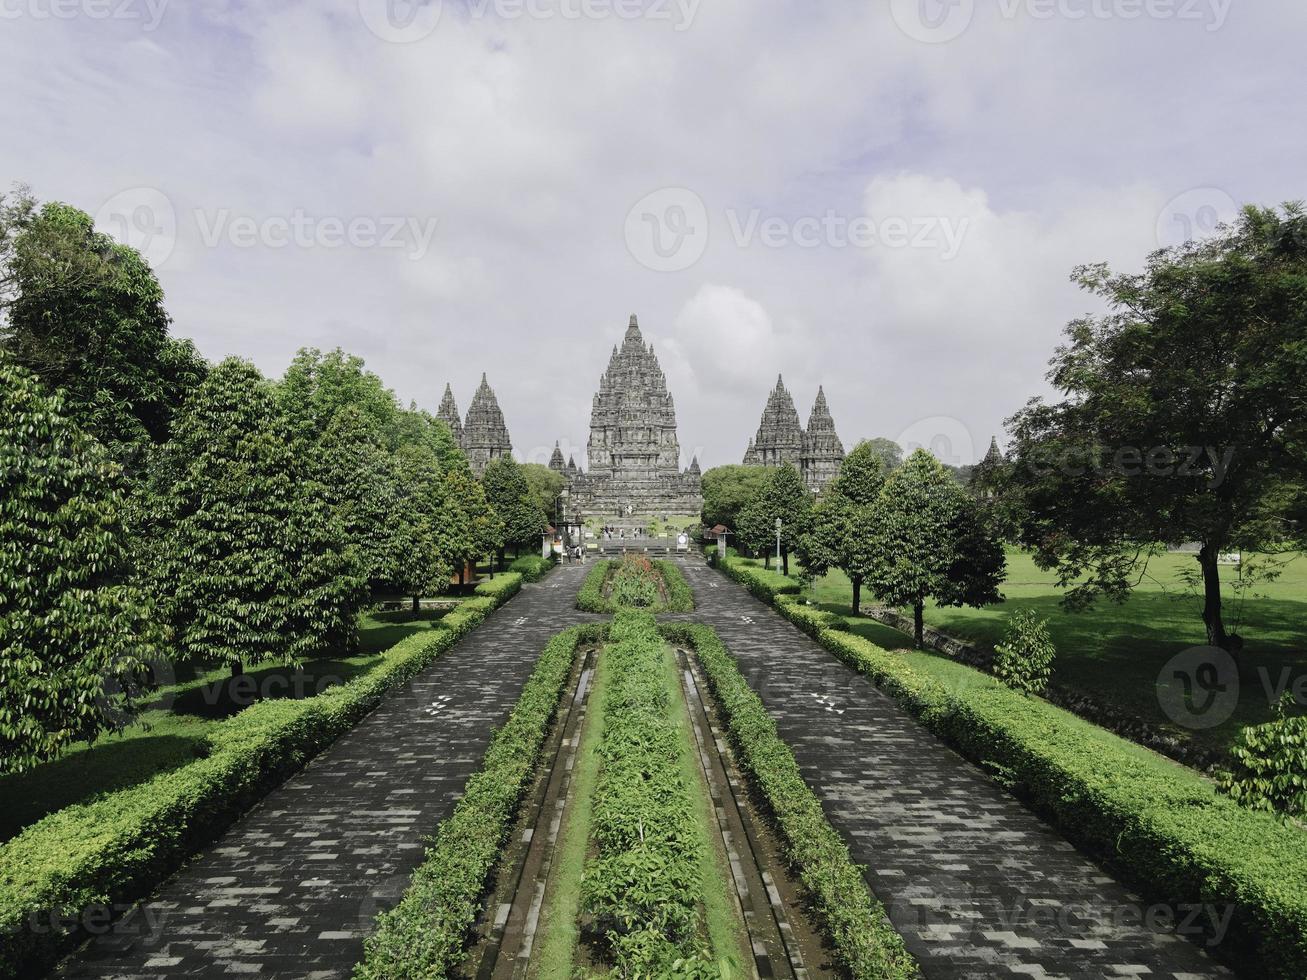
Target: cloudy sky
[[885, 197]]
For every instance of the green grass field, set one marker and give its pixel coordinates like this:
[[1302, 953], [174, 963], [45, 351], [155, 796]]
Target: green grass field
[[1116, 652], [173, 723]]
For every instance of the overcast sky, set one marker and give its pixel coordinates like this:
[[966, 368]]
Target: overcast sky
[[882, 197]]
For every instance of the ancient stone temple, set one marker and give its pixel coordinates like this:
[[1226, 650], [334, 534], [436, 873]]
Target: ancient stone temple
[[448, 413], [633, 454], [485, 436], [816, 452], [556, 460]]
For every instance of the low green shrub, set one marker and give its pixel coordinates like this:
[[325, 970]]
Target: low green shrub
[[591, 596], [1269, 767], [532, 568], [810, 619], [111, 850], [855, 923], [1024, 660], [425, 935], [762, 582], [680, 598], [635, 583], [642, 885], [637, 589]]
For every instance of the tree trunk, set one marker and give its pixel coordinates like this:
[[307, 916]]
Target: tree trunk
[[1207, 560], [918, 622], [785, 561], [857, 594], [766, 559], [236, 668], [462, 573], [417, 606]]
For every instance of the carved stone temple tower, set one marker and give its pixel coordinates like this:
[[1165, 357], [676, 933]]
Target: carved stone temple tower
[[485, 436], [816, 452], [633, 454], [448, 413]]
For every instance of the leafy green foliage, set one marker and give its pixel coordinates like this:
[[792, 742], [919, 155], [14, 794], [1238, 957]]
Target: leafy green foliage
[[864, 943], [545, 486], [642, 885], [317, 386], [471, 528], [762, 583], [1182, 419], [843, 525], [728, 489], [635, 583], [1024, 660], [249, 558], [509, 495], [120, 845], [424, 565], [887, 451], [785, 498], [73, 629], [426, 933], [87, 317], [1269, 767], [931, 541], [532, 568]]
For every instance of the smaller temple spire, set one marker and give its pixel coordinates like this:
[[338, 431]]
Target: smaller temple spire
[[448, 413], [556, 460]]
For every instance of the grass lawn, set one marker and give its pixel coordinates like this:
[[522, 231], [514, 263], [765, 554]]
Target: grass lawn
[[1116, 652], [174, 723]]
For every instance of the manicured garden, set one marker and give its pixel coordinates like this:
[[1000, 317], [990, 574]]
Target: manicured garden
[[635, 582]]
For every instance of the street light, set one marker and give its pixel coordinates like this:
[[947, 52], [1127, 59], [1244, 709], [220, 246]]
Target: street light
[[778, 541]]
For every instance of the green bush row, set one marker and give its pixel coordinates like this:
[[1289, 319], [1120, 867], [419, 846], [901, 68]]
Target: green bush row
[[591, 596], [1161, 827], [761, 582], [855, 923], [425, 935], [680, 598], [532, 568], [642, 885], [114, 849]]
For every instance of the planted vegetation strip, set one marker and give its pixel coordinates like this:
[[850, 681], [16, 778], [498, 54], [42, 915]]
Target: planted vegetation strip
[[532, 568], [118, 847], [591, 596], [635, 582], [425, 935], [680, 598], [855, 923], [642, 886], [1162, 827]]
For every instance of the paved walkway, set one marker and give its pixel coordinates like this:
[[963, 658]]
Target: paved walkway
[[977, 884], [291, 889]]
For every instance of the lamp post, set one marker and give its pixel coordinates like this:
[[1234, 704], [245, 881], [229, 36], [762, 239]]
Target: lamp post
[[778, 541]]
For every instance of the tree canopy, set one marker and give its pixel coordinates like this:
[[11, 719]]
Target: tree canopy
[[785, 498], [728, 489], [843, 524], [509, 495]]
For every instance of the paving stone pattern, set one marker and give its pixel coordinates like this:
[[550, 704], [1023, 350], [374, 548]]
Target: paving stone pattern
[[978, 885], [294, 886]]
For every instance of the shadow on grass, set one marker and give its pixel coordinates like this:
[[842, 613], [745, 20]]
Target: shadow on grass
[[110, 764], [229, 695]]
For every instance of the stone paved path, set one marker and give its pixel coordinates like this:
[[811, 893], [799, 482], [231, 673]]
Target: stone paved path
[[291, 889], [978, 885]]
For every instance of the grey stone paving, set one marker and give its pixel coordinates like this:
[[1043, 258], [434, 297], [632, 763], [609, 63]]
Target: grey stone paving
[[978, 885], [292, 888]]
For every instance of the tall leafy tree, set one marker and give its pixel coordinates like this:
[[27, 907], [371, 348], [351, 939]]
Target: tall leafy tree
[[509, 495], [86, 315], [1183, 417], [416, 427], [727, 490], [843, 524], [474, 530], [73, 628], [424, 563], [889, 451], [251, 560], [785, 498], [545, 485], [317, 386], [931, 542]]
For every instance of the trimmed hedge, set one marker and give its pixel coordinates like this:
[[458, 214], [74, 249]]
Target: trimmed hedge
[[532, 568], [114, 849], [591, 596], [680, 598], [1161, 827], [761, 582], [855, 923], [425, 935]]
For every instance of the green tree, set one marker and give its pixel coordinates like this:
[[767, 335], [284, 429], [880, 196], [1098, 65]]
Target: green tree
[[425, 564], [931, 542], [843, 524], [74, 630], [787, 499], [473, 529], [727, 490], [416, 427], [889, 451], [509, 495], [85, 314], [317, 386], [251, 560], [545, 486], [1183, 417]]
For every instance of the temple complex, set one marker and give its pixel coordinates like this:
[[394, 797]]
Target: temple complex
[[816, 452], [633, 456]]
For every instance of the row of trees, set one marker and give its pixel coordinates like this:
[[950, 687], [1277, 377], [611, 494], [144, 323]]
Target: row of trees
[[909, 532], [152, 505]]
